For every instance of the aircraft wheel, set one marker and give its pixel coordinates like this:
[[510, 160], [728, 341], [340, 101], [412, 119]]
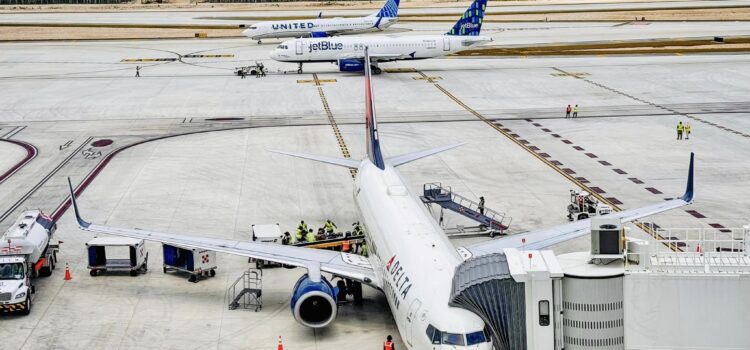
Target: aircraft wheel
[[212, 273], [259, 42], [583, 216], [376, 70]]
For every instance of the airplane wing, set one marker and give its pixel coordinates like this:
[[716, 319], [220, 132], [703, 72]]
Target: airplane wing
[[345, 265], [540, 239]]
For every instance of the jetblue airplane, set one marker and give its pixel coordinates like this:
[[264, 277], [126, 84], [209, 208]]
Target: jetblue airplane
[[324, 27], [348, 52], [411, 259]]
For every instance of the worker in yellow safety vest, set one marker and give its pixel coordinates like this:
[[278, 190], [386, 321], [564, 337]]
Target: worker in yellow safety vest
[[364, 249], [298, 235], [303, 226], [687, 131], [310, 237], [329, 226], [680, 127]]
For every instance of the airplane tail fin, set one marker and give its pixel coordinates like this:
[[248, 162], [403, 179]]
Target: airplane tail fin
[[389, 10], [371, 125], [471, 22]]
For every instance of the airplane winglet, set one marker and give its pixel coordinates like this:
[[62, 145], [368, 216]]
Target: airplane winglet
[[688, 196], [83, 223]]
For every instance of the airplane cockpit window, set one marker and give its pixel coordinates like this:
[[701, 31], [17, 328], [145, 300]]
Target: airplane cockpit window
[[476, 338], [282, 47], [453, 339]]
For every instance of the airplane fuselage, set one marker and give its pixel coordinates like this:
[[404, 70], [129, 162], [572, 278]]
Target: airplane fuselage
[[304, 28], [414, 260], [383, 48]]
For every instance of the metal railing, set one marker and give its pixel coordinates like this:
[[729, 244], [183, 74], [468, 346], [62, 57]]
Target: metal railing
[[498, 220], [694, 250], [248, 293]]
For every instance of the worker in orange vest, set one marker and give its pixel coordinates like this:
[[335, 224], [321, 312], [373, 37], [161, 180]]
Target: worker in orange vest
[[345, 246], [388, 345]]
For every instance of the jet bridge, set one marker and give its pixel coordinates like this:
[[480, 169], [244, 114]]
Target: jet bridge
[[512, 292]]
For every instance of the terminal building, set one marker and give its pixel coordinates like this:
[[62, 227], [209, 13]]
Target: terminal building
[[625, 293]]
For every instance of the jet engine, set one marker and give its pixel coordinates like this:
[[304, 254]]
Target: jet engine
[[318, 35], [314, 303], [351, 65]]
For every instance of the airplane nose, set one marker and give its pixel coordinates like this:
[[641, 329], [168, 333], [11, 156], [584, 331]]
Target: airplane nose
[[246, 32], [274, 54]]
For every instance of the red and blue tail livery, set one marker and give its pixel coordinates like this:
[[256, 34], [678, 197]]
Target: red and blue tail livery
[[373, 144], [471, 22]]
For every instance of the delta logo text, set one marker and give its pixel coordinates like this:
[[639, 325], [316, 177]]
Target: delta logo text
[[398, 284], [325, 46], [300, 25]]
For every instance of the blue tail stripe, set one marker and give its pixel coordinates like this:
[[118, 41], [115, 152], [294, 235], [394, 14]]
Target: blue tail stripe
[[471, 21], [390, 9]]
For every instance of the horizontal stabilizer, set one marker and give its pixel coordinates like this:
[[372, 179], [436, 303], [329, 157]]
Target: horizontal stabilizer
[[344, 162], [410, 157]]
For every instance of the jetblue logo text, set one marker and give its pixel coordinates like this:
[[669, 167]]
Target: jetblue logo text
[[470, 25], [325, 46], [302, 25]]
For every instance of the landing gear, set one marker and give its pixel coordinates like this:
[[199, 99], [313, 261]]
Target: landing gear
[[299, 70], [259, 42], [375, 69]]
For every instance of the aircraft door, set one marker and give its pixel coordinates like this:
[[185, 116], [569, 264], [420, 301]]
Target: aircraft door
[[299, 47], [411, 318], [446, 44]]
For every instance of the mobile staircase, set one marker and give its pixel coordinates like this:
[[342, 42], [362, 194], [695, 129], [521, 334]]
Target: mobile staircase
[[489, 220], [246, 291]]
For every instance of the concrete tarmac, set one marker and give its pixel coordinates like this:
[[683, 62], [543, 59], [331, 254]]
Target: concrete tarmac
[[215, 177]]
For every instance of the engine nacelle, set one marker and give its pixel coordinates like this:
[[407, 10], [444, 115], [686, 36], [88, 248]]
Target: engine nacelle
[[318, 35], [314, 303], [351, 65]]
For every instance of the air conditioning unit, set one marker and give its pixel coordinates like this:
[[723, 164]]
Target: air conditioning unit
[[607, 237]]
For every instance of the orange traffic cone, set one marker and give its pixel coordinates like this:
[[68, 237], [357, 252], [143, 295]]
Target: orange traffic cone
[[281, 346], [68, 277]]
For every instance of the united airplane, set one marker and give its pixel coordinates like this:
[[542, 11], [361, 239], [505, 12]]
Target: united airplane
[[348, 52], [411, 259], [325, 27]]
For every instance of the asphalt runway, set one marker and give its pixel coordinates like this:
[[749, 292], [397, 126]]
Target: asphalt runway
[[189, 155]]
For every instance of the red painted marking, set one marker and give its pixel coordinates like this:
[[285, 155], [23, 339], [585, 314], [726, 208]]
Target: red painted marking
[[619, 171], [567, 142], [545, 155], [582, 180], [101, 143], [591, 155], [515, 135], [635, 179], [546, 130], [653, 190], [556, 135], [536, 124], [598, 190], [534, 148], [31, 153], [523, 142], [614, 200], [578, 148], [695, 214], [555, 162], [568, 171]]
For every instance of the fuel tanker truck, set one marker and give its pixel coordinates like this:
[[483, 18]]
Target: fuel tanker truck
[[25, 253]]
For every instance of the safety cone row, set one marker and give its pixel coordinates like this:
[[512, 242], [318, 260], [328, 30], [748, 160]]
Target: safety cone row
[[68, 277], [280, 346]]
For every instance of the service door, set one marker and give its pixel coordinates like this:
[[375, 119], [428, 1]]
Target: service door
[[299, 47], [446, 44], [411, 318]]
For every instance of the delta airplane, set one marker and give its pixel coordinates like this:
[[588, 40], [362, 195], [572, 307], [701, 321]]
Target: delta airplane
[[348, 52], [324, 27], [411, 259]]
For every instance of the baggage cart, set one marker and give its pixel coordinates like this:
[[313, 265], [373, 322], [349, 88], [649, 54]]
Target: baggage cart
[[117, 254], [196, 262]]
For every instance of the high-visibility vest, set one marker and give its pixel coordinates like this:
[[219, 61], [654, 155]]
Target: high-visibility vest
[[329, 226], [679, 127], [388, 345], [687, 128], [310, 237], [575, 109], [345, 246], [298, 235]]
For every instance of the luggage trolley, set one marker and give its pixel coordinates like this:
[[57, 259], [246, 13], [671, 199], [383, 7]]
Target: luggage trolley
[[196, 262], [135, 260]]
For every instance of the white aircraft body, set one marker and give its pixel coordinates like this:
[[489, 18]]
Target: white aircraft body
[[410, 258], [322, 27], [348, 52]]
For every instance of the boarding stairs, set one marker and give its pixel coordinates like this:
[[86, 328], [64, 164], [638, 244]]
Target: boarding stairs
[[491, 220], [246, 291]]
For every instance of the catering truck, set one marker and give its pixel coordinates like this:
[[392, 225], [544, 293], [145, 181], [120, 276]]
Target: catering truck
[[25, 253]]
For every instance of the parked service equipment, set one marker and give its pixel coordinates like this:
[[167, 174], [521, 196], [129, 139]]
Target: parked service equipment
[[25, 253], [246, 291], [125, 254], [583, 205], [266, 234], [196, 262]]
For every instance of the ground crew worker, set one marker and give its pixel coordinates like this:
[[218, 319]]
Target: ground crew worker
[[303, 226], [286, 239], [575, 111], [680, 127], [388, 345], [567, 112], [310, 237], [137, 71], [321, 236], [481, 203], [299, 235], [242, 74], [329, 226], [364, 249], [687, 131], [345, 246], [358, 231]]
